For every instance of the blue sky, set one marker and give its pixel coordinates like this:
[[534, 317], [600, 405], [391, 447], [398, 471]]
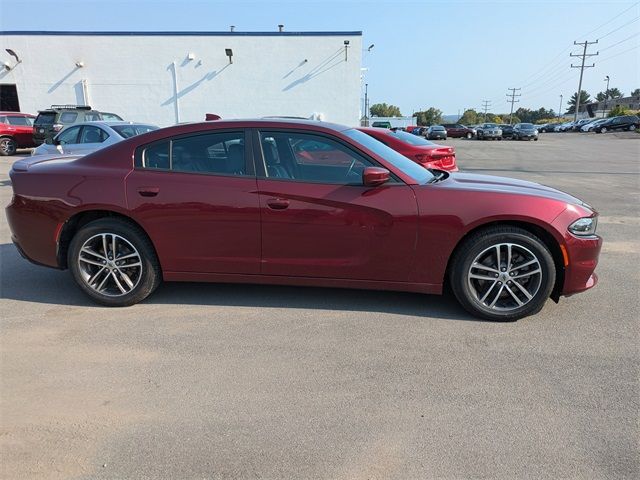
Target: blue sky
[[450, 54]]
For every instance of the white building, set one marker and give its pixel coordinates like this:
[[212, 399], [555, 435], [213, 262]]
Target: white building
[[170, 77]]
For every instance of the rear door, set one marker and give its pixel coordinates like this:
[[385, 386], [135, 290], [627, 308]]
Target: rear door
[[318, 220], [197, 198]]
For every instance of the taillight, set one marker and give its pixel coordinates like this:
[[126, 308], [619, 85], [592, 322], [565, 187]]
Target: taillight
[[57, 127]]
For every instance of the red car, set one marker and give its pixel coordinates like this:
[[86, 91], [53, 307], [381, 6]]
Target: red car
[[418, 149], [234, 201], [16, 131]]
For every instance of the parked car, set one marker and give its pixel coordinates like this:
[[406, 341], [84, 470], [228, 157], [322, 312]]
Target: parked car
[[564, 127], [421, 151], [546, 127], [52, 120], [526, 131], [578, 125], [381, 124], [623, 122], [436, 132], [230, 201], [86, 137], [16, 131], [507, 131], [457, 130], [489, 130], [588, 127]]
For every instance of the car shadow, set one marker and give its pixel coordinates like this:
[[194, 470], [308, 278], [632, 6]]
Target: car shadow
[[23, 281]]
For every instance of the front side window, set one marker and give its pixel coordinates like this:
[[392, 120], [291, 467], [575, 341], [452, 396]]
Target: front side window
[[310, 158], [69, 136], [212, 153], [91, 134], [68, 117]]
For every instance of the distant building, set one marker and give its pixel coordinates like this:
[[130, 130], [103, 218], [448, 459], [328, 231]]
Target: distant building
[[597, 109], [171, 77]]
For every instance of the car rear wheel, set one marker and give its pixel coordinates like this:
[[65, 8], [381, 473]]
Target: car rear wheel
[[603, 130], [8, 146], [114, 262], [502, 274]]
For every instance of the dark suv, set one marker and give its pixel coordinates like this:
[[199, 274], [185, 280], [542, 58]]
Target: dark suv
[[624, 122], [456, 130], [50, 121]]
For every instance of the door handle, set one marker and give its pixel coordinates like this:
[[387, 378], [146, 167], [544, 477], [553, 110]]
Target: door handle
[[278, 203], [148, 191]]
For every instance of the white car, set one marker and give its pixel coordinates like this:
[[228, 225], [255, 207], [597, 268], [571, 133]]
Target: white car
[[590, 126], [87, 137]]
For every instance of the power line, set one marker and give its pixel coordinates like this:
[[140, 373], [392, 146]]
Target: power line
[[582, 66], [618, 54], [621, 26], [621, 41], [610, 20], [513, 96]]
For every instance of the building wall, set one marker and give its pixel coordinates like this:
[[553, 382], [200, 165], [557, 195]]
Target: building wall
[[273, 73]]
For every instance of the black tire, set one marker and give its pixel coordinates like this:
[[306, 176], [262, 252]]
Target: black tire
[[148, 279], [484, 240], [535, 139], [8, 146]]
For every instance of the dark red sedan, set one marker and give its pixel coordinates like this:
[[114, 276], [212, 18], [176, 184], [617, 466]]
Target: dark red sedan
[[418, 149], [241, 201]]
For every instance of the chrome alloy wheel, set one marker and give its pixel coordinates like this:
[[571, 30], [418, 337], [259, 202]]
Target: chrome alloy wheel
[[110, 264], [505, 277]]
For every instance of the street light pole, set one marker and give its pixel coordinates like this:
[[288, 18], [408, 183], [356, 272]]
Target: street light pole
[[560, 109], [606, 96], [366, 104]]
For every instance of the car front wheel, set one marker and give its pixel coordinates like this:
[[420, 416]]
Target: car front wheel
[[502, 274], [114, 262], [469, 136], [8, 146], [603, 130], [632, 128]]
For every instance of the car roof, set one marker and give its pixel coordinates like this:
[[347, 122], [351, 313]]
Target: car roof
[[19, 114], [274, 122]]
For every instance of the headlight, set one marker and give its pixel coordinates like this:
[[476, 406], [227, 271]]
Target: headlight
[[584, 226]]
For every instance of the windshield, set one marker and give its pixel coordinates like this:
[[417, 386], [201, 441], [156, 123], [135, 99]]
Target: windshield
[[490, 125], [127, 131], [410, 138], [418, 173], [437, 127], [527, 126], [45, 118]]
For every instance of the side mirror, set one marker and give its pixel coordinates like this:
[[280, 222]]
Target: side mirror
[[48, 141], [374, 176]]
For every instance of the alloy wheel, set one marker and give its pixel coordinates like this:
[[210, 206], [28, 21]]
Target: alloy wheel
[[110, 265], [7, 146], [505, 277]]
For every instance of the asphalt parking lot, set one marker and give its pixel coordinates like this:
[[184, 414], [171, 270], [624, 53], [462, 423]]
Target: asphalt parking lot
[[227, 381]]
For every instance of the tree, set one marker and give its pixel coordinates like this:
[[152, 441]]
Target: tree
[[584, 98], [618, 110], [532, 116], [636, 93], [611, 93], [384, 110], [469, 117], [431, 116]]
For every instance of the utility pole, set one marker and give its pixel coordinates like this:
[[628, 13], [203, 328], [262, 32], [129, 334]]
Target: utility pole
[[485, 105], [513, 96], [366, 104], [582, 66], [606, 96], [560, 109]]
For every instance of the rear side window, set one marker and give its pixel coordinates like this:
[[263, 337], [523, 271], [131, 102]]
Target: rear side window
[[213, 153], [68, 117], [47, 118], [91, 117], [127, 131], [20, 121], [91, 134]]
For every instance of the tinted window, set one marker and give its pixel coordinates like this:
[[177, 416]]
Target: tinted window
[[127, 131], [69, 136], [490, 125], [91, 134], [438, 128], [22, 121], [221, 153], [311, 158], [91, 117], [68, 117], [45, 118], [418, 173]]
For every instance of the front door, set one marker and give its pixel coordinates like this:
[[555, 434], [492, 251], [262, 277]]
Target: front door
[[318, 220], [196, 197]]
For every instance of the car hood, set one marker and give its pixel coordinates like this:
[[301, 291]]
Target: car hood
[[490, 183]]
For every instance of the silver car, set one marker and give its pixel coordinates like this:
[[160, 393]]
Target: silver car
[[87, 137]]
